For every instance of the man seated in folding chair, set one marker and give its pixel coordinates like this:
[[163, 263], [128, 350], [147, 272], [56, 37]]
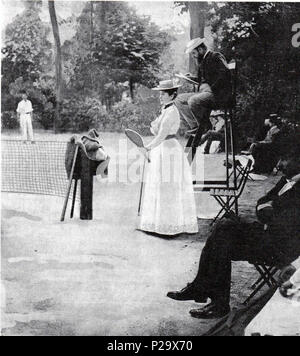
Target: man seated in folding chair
[[265, 152], [217, 133], [276, 243]]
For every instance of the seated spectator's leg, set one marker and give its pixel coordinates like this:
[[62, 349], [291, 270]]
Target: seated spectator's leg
[[270, 156], [252, 148], [208, 145], [200, 105], [261, 155], [205, 137], [212, 136], [186, 114], [229, 241], [258, 159], [214, 273]]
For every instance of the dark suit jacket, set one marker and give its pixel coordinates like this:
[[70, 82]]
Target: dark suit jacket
[[283, 233], [214, 71], [89, 145]]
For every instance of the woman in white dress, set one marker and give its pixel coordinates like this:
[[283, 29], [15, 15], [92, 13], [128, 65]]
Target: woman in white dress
[[168, 206]]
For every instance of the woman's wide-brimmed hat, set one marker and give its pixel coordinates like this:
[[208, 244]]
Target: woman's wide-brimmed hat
[[167, 85], [193, 44]]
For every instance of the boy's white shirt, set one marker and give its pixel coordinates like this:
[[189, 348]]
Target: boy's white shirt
[[24, 107]]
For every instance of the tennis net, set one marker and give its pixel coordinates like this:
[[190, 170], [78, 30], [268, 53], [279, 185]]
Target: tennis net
[[34, 168]]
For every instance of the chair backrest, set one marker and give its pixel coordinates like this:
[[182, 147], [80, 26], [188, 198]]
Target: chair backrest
[[244, 178], [233, 71]]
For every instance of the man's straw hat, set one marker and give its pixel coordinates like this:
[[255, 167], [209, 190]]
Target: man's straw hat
[[194, 43]]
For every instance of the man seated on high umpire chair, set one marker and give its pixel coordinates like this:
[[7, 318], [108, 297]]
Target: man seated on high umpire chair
[[214, 90], [273, 240]]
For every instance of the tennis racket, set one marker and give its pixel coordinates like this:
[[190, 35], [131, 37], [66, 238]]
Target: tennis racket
[[136, 138]]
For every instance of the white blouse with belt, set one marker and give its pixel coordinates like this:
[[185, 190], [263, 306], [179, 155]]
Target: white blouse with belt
[[167, 124]]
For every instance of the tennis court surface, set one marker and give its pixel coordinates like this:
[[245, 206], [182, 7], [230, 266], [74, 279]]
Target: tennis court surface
[[99, 277]]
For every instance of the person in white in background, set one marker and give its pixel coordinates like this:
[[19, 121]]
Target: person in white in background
[[24, 112]]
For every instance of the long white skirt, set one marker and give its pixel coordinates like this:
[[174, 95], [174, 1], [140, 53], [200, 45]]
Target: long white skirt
[[168, 205]]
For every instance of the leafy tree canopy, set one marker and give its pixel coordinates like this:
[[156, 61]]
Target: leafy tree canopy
[[114, 44], [258, 36], [26, 48], [26, 57]]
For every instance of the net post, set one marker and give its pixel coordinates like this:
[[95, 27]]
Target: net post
[[74, 198], [86, 187]]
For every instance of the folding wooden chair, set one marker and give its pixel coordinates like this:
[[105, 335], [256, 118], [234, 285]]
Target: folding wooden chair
[[229, 117], [239, 169], [228, 197], [228, 192], [267, 278]]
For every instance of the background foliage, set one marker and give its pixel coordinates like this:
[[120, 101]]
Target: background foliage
[[111, 54], [26, 63], [258, 36]]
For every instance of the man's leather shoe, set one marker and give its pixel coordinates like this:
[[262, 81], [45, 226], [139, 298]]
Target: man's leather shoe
[[187, 293], [210, 311]]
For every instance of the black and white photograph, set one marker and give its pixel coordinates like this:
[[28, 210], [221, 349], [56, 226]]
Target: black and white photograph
[[150, 171]]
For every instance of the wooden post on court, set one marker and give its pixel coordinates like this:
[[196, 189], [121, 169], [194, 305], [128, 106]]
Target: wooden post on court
[[86, 187], [74, 199]]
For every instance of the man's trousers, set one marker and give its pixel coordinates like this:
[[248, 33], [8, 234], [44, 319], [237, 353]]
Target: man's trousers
[[26, 127], [195, 108], [211, 136], [265, 157], [229, 241]]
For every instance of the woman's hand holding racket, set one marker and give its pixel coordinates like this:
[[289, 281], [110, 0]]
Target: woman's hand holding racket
[[137, 139], [145, 152]]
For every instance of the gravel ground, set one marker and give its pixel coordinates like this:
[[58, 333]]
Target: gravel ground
[[101, 277]]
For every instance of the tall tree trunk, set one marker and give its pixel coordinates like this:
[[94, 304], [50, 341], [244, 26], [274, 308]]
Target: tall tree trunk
[[58, 59], [100, 10], [92, 23], [197, 11], [102, 7], [92, 35], [131, 89]]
